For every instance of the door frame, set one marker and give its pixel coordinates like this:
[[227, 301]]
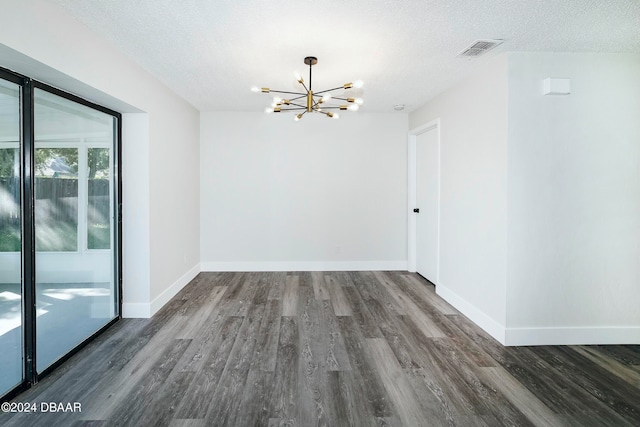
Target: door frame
[[412, 193]]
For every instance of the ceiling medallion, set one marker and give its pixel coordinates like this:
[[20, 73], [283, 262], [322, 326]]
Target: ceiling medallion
[[310, 101]]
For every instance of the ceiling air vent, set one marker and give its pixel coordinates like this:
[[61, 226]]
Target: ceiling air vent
[[479, 47]]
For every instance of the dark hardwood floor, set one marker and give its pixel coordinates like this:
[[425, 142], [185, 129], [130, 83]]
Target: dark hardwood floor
[[334, 349]]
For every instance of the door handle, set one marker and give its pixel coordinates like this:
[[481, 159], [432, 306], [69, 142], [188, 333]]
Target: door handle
[[416, 210]]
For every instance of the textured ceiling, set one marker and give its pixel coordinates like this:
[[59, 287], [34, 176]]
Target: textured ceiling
[[212, 51]]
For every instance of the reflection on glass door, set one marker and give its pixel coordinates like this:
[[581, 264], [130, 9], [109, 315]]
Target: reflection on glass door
[[11, 362], [74, 214]]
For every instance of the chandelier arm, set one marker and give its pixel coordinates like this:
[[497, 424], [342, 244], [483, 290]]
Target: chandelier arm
[[298, 97], [328, 90], [293, 109], [297, 105], [304, 85], [341, 99], [292, 93]]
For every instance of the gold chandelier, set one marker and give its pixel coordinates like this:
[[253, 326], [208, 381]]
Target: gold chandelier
[[310, 101]]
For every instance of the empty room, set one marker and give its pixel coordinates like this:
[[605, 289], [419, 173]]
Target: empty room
[[332, 213]]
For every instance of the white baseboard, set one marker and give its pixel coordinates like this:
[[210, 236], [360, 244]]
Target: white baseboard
[[133, 310], [573, 336], [540, 336], [146, 310], [480, 318], [306, 266], [173, 290]]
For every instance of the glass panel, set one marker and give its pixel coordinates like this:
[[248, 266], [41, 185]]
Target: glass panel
[[75, 286], [11, 372], [56, 199], [99, 211], [9, 198]]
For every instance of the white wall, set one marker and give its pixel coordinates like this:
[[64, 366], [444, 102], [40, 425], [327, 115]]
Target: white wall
[[317, 194], [541, 198], [174, 200], [574, 200], [40, 40], [135, 225], [473, 121]]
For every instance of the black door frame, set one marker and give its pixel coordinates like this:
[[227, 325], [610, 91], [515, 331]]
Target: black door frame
[[27, 202]]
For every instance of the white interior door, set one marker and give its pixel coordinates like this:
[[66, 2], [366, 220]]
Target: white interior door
[[428, 203]]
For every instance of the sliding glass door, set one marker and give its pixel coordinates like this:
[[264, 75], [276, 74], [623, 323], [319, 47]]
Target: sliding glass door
[[11, 331], [59, 226], [74, 218]]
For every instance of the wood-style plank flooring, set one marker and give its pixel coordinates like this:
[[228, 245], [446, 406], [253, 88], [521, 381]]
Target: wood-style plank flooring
[[330, 349]]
